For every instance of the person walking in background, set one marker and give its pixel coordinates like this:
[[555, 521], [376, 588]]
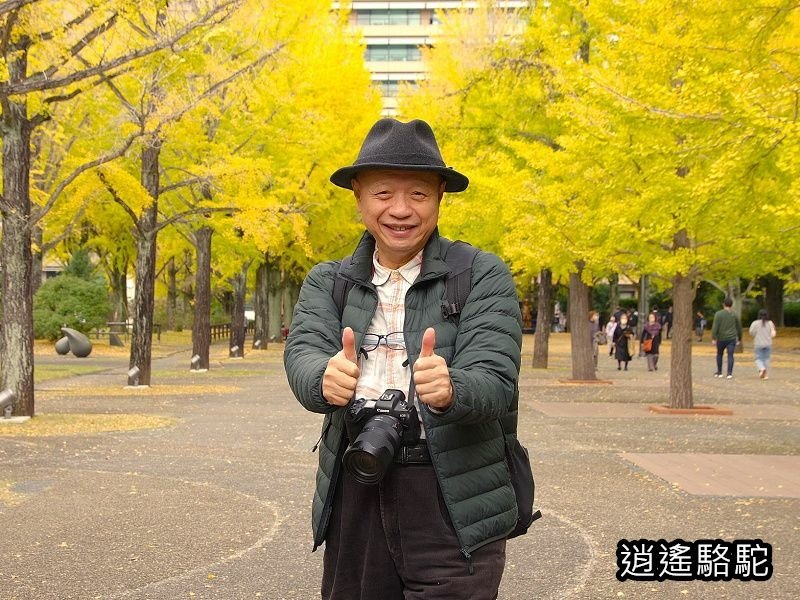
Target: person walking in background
[[595, 332], [726, 332], [668, 323], [610, 327], [762, 330], [699, 325], [622, 336], [651, 340]]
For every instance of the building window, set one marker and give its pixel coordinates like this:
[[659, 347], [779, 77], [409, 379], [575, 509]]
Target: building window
[[390, 89], [398, 53], [388, 17]]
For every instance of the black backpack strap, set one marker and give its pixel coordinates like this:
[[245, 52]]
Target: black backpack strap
[[459, 258], [341, 286]]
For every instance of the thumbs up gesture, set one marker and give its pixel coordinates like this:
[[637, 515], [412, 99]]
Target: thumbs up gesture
[[341, 375], [431, 376]]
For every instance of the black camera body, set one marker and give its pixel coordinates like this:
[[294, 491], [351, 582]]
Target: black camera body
[[376, 429]]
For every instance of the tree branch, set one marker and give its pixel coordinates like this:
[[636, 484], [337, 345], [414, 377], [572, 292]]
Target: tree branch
[[541, 138], [134, 217], [67, 231], [43, 81], [12, 5], [76, 21], [8, 27], [62, 97], [195, 211], [38, 214], [185, 183], [211, 90], [107, 79], [716, 117], [80, 45]]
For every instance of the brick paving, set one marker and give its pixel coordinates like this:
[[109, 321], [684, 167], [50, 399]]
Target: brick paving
[[766, 476]]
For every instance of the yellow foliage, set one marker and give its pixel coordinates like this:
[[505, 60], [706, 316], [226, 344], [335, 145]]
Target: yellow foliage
[[602, 130]]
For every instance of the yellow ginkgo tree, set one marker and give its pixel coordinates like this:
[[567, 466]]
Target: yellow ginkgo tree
[[654, 137], [51, 52]]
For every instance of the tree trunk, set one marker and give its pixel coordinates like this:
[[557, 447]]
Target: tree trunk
[[143, 305], [16, 340], [680, 377], [644, 302], [261, 306], [580, 328], [238, 323], [544, 320], [201, 327], [172, 293], [613, 293], [187, 291], [144, 299], [288, 299], [118, 282], [733, 291], [37, 267], [274, 323], [773, 298]]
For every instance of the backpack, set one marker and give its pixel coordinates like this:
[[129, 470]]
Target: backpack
[[459, 258]]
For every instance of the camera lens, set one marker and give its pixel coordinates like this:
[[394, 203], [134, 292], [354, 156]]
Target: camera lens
[[369, 456]]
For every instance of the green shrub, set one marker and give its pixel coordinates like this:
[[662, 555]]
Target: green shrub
[[791, 314], [67, 301]]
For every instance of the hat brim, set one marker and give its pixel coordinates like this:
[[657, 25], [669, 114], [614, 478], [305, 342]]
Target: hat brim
[[454, 181]]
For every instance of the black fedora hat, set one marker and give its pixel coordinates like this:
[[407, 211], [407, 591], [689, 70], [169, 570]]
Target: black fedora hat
[[393, 145]]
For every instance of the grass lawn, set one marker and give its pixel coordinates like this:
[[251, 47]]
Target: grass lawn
[[46, 372], [82, 424]]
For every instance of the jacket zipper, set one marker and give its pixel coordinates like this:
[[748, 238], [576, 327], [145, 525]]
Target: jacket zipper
[[464, 550]]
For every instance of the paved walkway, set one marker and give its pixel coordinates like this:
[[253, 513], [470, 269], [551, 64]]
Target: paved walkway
[[218, 506]]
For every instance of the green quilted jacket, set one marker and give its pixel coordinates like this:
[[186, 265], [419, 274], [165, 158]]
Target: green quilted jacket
[[466, 442]]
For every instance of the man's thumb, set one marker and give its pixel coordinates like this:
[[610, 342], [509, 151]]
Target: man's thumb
[[349, 345], [428, 342]]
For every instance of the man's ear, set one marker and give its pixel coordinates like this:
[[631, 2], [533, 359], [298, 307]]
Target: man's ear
[[356, 190], [441, 189]]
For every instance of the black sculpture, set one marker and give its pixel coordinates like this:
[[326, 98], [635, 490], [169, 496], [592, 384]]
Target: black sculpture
[[79, 344]]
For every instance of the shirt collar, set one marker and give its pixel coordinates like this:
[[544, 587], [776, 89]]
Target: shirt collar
[[409, 271]]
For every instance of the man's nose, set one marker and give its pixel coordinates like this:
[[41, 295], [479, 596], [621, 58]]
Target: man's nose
[[401, 206]]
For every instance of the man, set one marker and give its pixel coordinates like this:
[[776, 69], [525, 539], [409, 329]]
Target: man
[[726, 332], [434, 527]]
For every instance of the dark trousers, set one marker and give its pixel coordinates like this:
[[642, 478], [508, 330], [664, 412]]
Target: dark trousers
[[395, 541], [730, 345]]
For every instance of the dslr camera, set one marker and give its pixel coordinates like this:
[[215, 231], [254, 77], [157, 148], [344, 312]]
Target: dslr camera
[[376, 429]]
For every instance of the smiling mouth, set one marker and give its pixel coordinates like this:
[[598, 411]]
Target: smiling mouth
[[399, 227]]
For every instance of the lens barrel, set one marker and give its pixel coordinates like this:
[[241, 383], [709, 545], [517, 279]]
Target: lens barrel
[[369, 456]]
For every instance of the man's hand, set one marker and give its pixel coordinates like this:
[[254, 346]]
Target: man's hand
[[431, 377], [341, 375]]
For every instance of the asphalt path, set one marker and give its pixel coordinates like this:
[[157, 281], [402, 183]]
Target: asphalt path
[[218, 505]]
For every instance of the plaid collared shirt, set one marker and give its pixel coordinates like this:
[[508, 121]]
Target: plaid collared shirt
[[383, 367]]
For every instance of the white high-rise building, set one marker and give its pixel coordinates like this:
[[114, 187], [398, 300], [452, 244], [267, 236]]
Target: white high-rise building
[[393, 34]]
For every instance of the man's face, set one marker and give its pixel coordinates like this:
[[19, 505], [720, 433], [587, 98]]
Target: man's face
[[400, 209]]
